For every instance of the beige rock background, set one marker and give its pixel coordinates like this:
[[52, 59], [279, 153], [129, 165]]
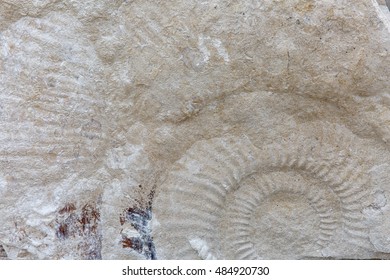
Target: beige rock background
[[194, 129]]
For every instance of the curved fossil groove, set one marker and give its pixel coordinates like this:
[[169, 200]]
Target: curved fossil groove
[[207, 205], [51, 105]]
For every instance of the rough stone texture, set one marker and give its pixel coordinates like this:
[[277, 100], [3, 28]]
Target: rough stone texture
[[194, 129]]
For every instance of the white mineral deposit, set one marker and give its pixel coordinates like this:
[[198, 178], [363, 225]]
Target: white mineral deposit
[[192, 129]]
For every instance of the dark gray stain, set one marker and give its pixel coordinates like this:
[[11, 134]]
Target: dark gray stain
[[3, 253], [140, 219]]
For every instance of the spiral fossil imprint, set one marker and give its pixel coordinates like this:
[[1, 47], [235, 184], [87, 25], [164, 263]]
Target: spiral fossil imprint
[[50, 111], [209, 204]]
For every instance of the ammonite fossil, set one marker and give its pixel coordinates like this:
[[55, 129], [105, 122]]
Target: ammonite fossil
[[225, 197], [51, 111]]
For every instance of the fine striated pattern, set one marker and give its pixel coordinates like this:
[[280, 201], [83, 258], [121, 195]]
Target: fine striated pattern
[[194, 129], [253, 193], [52, 129], [191, 201], [51, 113]]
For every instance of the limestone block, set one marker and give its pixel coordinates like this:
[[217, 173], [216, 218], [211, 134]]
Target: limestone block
[[194, 129]]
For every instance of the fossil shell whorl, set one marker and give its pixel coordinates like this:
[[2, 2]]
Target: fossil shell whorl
[[195, 193], [51, 116], [309, 220], [206, 206]]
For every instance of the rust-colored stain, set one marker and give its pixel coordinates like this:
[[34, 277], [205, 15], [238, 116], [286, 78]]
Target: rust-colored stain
[[89, 219], [62, 231], [122, 219], [82, 224], [134, 243], [69, 207]]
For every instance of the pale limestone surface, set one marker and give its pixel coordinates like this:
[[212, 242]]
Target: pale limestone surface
[[194, 129]]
